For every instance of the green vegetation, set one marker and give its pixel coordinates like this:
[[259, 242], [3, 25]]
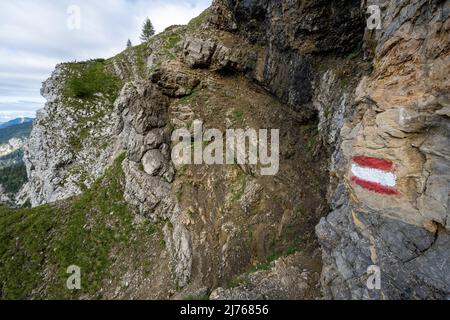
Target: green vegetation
[[169, 39], [239, 117], [13, 178], [188, 99], [172, 39], [37, 245], [23, 240], [13, 173], [140, 56], [267, 264]]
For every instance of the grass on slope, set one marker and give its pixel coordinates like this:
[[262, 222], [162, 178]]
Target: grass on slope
[[13, 178], [38, 245]]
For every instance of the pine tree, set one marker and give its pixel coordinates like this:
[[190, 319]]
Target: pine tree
[[147, 30], [129, 44]]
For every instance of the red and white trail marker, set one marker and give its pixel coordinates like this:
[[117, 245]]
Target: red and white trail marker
[[374, 174]]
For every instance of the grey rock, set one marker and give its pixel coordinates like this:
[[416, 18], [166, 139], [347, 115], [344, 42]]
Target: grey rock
[[148, 170], [286, 280], [142, 105]]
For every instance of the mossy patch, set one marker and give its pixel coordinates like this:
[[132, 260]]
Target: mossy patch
[[312, 136], [88, 80], [239, 117]]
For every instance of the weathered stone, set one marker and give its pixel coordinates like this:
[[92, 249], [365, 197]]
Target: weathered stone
[[142, 105], [198, 52], [179, 243]]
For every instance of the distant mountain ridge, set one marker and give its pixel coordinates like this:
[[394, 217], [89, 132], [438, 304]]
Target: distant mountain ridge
[[16, 121]]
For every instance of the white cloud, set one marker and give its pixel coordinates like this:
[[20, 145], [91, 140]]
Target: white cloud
[[34, 37]]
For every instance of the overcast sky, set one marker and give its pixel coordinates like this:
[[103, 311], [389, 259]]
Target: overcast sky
[[34, 37]]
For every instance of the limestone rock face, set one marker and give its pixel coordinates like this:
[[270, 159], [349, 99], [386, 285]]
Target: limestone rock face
[[13, 144], [74, 137], [78, 135], [143, 111], [394, 112], [292, 33], [148, 169]]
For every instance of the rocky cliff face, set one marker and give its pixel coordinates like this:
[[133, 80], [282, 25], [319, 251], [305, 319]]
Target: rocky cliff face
[[351, 104], [13, 137]]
